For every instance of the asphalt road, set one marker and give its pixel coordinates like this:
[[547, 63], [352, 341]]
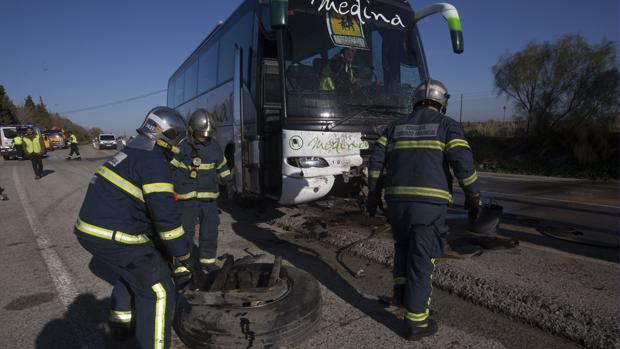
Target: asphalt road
[[55, 296], [586, 212]]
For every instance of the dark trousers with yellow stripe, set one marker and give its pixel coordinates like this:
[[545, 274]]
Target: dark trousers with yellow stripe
[[204, 213], [417, 228], [144, 295]]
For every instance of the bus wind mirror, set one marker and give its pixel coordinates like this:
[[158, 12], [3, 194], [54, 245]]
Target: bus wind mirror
[[279, 14], [451, 15]]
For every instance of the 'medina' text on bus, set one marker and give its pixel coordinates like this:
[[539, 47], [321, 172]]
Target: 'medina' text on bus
[[300, 89]]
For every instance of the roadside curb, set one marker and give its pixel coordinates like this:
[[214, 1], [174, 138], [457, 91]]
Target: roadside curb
[[565, 319]]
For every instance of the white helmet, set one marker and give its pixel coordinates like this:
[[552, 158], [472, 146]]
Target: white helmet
[[433, 93]]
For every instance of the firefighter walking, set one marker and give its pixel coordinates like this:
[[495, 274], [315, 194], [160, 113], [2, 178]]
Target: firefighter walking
[[73, 144], [412, 159], [130, 222], [199, 168], [33, 149]]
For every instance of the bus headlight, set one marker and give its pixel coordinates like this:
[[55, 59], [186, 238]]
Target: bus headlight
[[307, 162]]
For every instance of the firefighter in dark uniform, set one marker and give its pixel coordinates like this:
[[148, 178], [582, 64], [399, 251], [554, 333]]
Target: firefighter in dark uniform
[[130, 222], [199, 168], [412, 161]]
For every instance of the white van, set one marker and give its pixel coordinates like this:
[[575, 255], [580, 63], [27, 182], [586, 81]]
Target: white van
[[106, 141], [7, 133]]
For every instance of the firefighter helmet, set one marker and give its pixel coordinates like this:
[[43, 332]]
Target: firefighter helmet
[[433, 93], [201, 124], [165, 126]]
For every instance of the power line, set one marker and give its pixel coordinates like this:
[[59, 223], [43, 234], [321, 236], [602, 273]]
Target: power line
[[105, 105]]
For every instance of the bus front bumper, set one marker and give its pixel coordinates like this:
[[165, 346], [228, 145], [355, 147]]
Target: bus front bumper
[[297, 190]]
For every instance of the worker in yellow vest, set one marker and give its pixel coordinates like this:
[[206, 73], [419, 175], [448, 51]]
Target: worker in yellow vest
[[33, 148], [73, 143], [17, 144]]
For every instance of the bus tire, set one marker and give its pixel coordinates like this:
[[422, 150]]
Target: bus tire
[[282, 323]]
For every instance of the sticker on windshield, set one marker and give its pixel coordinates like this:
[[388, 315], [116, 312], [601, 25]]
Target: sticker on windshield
[[346, 31]]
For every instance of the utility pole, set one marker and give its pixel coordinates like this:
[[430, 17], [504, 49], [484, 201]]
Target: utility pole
[[461, 113], [504, 120]]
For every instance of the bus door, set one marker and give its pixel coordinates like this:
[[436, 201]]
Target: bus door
[[271, 129], [247, 153]]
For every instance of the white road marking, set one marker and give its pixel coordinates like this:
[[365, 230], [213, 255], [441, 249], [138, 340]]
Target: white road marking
[[58, 272]]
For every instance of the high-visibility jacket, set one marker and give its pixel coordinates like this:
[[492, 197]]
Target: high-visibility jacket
[[32, 146], [415, 154], [338, 72], [73, 139], [200, 179], [130, 203], [17, 140]]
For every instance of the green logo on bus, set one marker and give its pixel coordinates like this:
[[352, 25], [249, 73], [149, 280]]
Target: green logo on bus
[[295, 142]]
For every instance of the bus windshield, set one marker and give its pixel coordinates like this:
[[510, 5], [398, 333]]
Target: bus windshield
[[346, 59]]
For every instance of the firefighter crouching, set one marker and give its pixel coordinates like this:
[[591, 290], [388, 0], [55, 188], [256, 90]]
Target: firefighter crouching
[[199, 168], [129, 209], [412, 159]]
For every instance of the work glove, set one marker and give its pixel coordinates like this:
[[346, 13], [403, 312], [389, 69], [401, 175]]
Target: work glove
[[473, 205], [192, 264]]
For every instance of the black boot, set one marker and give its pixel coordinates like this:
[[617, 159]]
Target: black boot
[[398, 296], [119, 332], [415, 333]]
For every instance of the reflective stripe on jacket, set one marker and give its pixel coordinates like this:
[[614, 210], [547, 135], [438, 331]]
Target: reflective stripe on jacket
[[130, 200], [199, 179], [415, 154]]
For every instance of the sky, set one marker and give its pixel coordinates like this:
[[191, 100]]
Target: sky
[[78, 54]]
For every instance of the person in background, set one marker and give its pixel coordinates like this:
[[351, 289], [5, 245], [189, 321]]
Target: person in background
[[73, 143], [33, 149], [339, 73], [18, 142]]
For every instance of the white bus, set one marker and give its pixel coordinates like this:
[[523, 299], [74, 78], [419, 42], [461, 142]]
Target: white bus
[[294, 116]]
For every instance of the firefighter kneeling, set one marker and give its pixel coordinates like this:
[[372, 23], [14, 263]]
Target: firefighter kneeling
[[413, 159], [130, 222]]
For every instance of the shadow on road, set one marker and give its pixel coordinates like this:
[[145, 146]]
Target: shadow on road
[[305, 259], [605, 254], [47, 172], [82, 326], [528, 230]]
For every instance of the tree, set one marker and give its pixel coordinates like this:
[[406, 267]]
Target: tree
[[95, 131], [41, 114], [565, 82], [8, 111]]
